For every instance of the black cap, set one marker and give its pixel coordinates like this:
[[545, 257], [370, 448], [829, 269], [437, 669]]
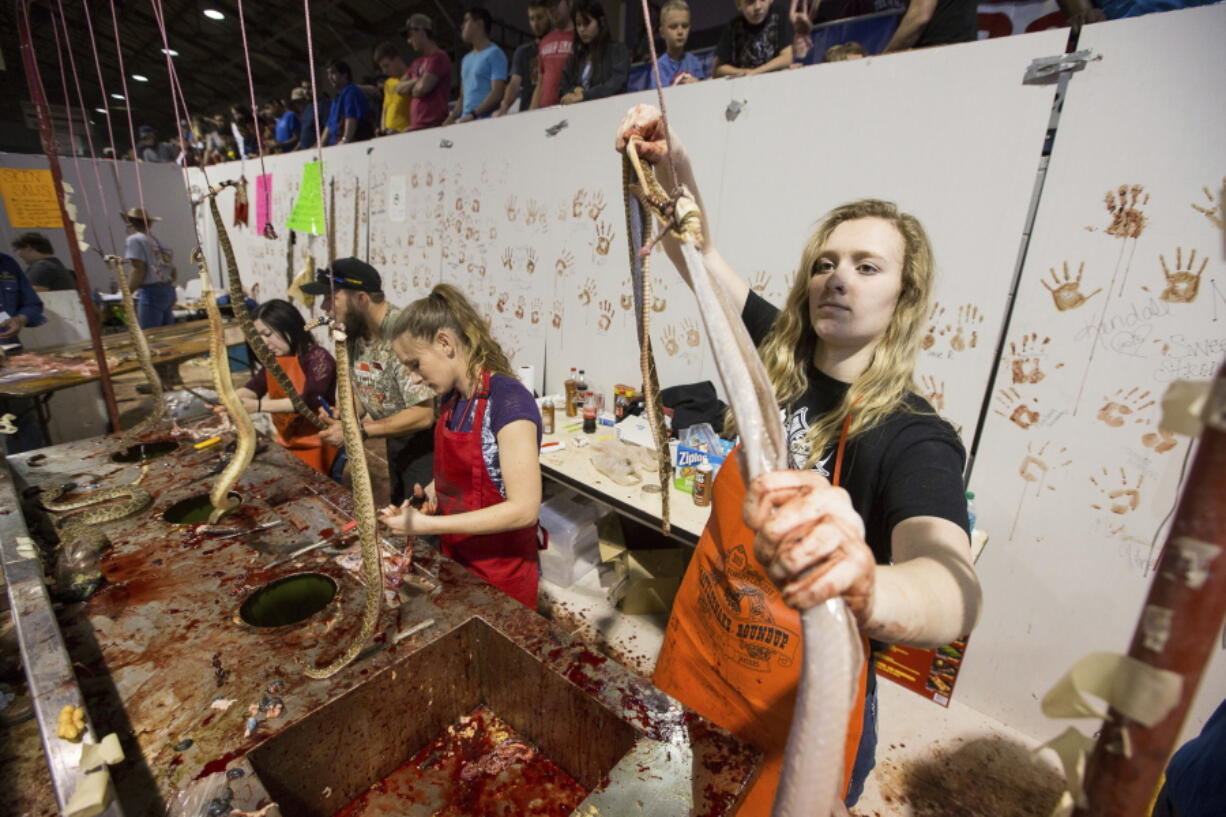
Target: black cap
[[346, 273]]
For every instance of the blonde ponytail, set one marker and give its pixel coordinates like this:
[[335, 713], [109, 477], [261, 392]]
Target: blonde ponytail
[[447, 308]]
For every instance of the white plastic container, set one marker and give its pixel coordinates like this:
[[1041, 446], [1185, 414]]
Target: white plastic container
[[573, 548]]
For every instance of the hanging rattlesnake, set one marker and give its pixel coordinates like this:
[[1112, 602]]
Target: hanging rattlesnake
[[219, 363], [141, 344], [363, 496], [238, 302]]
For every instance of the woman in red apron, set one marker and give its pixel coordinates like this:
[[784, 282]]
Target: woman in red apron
[[486, 495], [311, 370], [888, 536]]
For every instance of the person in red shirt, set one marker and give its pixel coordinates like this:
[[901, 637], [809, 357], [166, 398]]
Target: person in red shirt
[[428, 79], [551, 60]]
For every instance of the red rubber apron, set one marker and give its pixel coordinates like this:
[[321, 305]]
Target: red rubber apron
[[507, 560], [293, 431], [733, 649]]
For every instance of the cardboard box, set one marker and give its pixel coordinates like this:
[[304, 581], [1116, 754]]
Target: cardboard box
[[686, 460], [644, 581]]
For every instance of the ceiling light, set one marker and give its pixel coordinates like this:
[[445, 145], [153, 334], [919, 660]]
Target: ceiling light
[[214, 14], [103, 111], [140, 77], [170, 51], [116, 96]]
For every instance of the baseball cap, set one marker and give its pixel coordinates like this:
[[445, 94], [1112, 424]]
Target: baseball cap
[[346, 273], [299, 93], [420, 21], [145, 129]]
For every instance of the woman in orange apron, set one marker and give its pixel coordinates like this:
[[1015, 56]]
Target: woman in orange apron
[[311, 370], [486, 495], [888, 536]]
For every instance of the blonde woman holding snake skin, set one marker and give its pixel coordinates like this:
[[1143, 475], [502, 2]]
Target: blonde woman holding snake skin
[[891, 540]]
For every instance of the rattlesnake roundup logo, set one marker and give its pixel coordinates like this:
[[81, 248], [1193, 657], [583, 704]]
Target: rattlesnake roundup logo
[[735, 606]]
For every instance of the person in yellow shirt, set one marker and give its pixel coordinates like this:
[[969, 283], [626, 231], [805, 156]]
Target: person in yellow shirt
[[395, 106]]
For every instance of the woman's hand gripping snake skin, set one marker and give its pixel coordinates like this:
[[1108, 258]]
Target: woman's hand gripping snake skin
[[141, 344], [238, 302], [219, 363], [812, 776]]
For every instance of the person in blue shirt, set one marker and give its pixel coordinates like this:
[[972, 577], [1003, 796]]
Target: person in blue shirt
[[351, 118], [677, 66], [483, 72], [288, 128], [20, 307], [1196, 776]]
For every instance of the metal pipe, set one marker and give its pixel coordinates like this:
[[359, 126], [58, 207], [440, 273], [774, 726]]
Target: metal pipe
[[39, 99], [1177, 631]]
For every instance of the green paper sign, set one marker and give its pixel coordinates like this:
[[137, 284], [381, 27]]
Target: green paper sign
[[308, 213]]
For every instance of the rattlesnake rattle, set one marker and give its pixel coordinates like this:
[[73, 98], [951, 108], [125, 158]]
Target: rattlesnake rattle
[[363, 496], [141, 344], [219, 363], [238, 302], [639, 228]]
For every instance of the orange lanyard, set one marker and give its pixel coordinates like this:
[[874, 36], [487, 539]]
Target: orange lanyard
[[838, 457]]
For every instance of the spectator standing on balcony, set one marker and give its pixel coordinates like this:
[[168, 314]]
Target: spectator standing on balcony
[[598, 66], [483, 71], [677, 66], [396, 105], [428, 81], [934, 22], [350, 119], [288, 130], [555, 51], [522, 84], [757, 42]]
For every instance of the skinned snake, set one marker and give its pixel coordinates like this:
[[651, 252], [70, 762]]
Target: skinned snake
[[363, 496], [141, 344], [219, 363], [238, 302], [642, 201], [811, 779]]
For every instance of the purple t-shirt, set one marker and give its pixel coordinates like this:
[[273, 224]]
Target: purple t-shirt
[[509, 401]]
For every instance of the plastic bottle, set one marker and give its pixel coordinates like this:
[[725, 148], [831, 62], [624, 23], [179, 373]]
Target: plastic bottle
[[570, 388], [970, 510], [590, 408], [547, 416], [580, 393]]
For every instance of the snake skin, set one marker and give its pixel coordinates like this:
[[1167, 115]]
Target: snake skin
[[82, 531], [219, 362], [238, 302], [640, 205], [141, 344]]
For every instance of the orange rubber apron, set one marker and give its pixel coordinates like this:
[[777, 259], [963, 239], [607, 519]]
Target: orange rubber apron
[[733, 650], [293, 431]]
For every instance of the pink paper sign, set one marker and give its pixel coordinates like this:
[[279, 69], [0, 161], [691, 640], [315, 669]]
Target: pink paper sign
[[263, 202]]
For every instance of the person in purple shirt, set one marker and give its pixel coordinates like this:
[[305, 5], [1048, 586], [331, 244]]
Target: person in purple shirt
[[486, 495], [677, 66], [351, 118]]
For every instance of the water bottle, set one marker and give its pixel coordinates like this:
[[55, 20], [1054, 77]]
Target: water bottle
[[970, 510]]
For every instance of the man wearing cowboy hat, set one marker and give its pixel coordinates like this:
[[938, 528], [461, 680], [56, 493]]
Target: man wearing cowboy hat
[[153, 271]]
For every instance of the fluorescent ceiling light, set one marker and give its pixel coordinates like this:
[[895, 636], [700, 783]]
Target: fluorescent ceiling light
[[116, 96], [103, 111], [214, 14], [170, 51], [140, 77]]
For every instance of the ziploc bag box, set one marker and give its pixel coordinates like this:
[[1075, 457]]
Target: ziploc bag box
[[686, 460]]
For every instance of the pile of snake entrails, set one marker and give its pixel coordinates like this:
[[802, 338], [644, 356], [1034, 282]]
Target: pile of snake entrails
[[238, 302]]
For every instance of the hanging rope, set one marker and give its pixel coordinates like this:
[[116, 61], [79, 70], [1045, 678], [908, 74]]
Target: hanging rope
[[106, 106], [123, 79], [319, 148], [655, 70], [269, 232]]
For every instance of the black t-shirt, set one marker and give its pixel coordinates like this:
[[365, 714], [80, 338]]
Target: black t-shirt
[[953, 21], [523, 62], [747, 46], [50, 273], [908, 465]]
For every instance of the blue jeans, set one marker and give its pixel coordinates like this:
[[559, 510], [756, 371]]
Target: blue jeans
[[154, 305], [866, 754]]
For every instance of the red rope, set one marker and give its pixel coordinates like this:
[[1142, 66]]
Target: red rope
[[319, 148], [255, 122], [655, 70], [127, 98]]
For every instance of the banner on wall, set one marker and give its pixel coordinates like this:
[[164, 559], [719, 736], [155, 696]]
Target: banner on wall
[[930, 673], [29, 197], [308, 213], [263, 202]]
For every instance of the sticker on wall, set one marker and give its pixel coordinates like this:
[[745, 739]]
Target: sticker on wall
[[263, 202]]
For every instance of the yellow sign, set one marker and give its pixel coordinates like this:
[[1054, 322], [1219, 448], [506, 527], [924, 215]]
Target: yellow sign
[[29, 197]]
